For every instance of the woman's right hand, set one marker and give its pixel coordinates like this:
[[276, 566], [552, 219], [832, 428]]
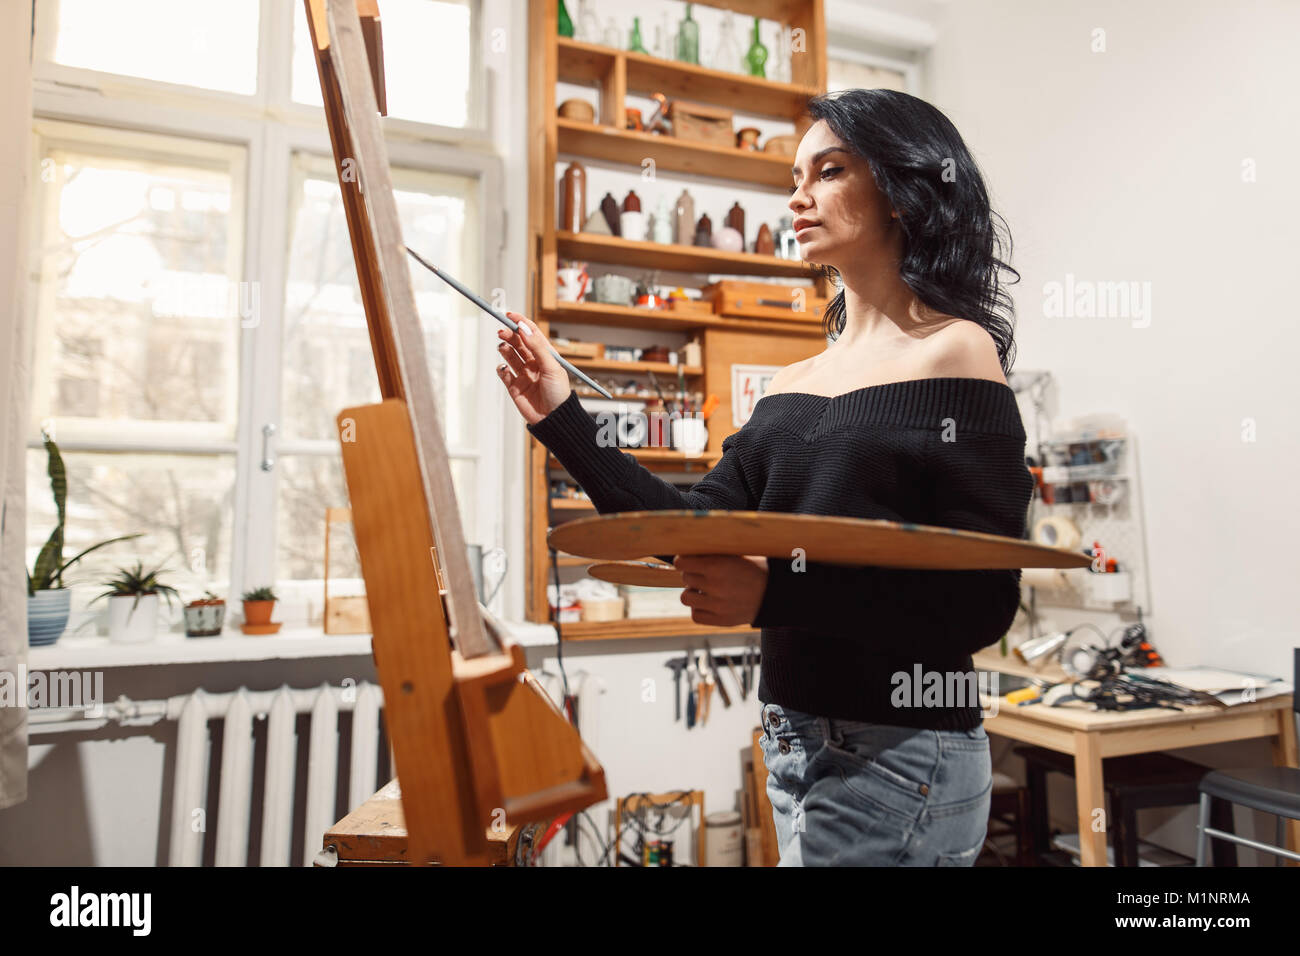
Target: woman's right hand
[[536, 382]]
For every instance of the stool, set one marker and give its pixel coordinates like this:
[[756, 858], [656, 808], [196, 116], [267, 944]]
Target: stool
[[1274, 790], [1009, 806], [1132, 783]]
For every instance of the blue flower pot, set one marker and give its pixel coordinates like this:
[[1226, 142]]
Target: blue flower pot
[[47, 615]]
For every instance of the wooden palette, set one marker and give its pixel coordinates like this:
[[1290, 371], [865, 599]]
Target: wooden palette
[[640, 573], [831, 540]]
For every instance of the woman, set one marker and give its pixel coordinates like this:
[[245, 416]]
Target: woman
[[872, 736]]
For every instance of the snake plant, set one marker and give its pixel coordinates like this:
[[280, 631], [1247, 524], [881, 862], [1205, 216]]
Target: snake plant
[[47, 573]]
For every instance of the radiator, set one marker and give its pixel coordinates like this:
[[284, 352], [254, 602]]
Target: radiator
[[191, 819]]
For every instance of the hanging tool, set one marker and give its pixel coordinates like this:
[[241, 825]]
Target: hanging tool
[[715, 678], [734, 676], [691, 698], [706, 688], [677, 665]]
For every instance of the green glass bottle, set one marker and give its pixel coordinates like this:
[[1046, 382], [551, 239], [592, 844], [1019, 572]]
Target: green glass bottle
[[566, 24], [688, 40], [635, 45], [757, 55]]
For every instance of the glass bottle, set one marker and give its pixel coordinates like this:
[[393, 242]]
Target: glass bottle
[[685, 219], [756, 58], [663, 227], [566, 25], [634, 44], [786, 245], [781, 66], [666, 46], [588, 25], [688, 39], [728, 56], [611, 34]]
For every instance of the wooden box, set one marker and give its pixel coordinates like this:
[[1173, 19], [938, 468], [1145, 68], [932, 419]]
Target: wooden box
[[344, 614], [581, 350], [766, 300], [701, 123], [691, 306]]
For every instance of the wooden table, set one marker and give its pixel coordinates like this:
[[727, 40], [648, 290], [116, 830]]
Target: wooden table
[[1093, 735]]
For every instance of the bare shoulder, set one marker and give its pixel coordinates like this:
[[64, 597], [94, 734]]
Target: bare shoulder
[[963, 349], [787, 377]]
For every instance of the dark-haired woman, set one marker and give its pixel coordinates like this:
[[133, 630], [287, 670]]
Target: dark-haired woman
[[873, 740]]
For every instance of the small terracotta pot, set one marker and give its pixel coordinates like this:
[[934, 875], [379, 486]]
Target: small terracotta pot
[[258, 612]]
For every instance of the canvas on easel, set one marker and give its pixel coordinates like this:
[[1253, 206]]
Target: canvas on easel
[[479, 747]]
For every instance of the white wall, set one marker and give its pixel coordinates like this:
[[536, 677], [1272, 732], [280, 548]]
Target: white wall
[[1127, 165]]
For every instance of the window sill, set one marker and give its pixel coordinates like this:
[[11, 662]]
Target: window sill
[[82, 653]]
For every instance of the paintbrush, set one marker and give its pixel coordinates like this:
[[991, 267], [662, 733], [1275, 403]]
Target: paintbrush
[[501, 317], [663, 401]]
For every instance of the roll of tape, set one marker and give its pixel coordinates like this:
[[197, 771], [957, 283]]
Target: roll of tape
[[1044, 579], [1057, 531]]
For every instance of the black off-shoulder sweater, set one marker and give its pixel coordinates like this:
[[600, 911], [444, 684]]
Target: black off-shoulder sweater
[[846, 642]]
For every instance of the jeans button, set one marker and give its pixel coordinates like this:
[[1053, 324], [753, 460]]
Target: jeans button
[[783, 746], [925, 788]]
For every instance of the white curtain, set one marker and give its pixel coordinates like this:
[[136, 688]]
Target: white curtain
[[15, 178]]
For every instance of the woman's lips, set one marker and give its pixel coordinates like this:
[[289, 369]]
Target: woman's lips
[[802, 229]]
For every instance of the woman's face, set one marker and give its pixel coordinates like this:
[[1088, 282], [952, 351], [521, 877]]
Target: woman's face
[[847, 218]]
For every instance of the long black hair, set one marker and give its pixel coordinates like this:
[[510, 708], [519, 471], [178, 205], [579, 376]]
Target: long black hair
[[952, 250]]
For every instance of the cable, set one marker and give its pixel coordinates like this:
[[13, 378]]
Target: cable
[[559, 634], [640, 825]]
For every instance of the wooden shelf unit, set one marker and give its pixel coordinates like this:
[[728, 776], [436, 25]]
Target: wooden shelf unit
[[614, 74]]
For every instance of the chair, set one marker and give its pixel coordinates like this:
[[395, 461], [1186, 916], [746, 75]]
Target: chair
[[1134, 782], [1273, 790]]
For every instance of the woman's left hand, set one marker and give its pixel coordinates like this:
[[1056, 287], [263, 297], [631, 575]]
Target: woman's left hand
[[722, 589]]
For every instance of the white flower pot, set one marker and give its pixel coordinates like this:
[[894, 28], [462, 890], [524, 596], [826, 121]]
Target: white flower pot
[[132, 625]]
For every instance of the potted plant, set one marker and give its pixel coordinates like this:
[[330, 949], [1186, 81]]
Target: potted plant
[[133, 603], [48, 601], [258, 605], [204, 616]]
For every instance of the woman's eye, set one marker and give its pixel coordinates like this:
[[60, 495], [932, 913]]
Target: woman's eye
[[826, 173]]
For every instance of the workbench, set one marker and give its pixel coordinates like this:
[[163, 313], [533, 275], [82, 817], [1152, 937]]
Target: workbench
[[1091, 736]]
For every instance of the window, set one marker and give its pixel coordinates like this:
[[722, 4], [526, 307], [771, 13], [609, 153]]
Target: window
[[426, 60], [196, 302], [208, 45], [327, 344], [853, 69]]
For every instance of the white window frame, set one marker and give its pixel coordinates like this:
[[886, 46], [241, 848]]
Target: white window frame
[[910, 69], [270, 127]]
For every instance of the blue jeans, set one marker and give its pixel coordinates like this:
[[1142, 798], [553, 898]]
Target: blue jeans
[[849, 793]]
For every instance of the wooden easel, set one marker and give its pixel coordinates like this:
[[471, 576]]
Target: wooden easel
[[478, 745]]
